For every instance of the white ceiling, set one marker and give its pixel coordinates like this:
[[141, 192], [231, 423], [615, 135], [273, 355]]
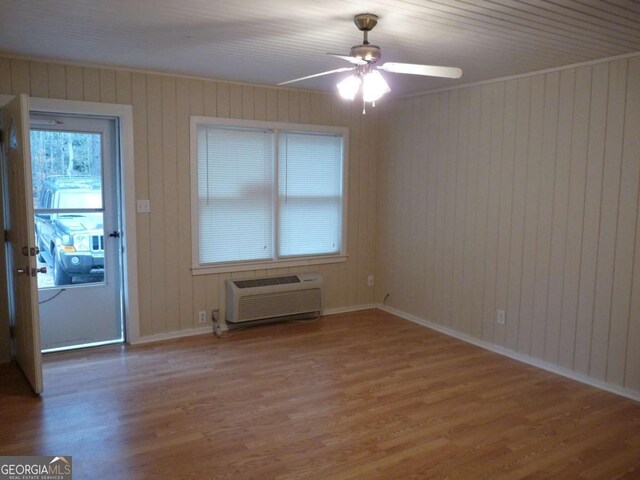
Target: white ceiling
[[270, 41]]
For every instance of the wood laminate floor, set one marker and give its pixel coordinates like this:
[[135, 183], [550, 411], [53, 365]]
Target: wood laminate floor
[[363, 395]]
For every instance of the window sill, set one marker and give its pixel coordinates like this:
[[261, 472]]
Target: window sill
[[244, 267]]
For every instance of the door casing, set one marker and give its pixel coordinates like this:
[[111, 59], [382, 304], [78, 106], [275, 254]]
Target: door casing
[[124, 131]]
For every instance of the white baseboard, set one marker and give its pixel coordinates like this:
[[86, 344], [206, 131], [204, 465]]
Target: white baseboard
[[169, 335], [550, 367], [354, 308], [209, 329]]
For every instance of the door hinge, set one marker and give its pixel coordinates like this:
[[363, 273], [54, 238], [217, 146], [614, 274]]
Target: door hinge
[[6, 235], [11, 331]]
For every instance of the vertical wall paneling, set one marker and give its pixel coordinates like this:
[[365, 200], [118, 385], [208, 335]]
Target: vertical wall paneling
[[20, 77], [198, 283], [248, 105], [469, 316], [545, 213], [625, 241], [156, 196], [206, 102], [222, 100], [575, 220], [506, 207], [39, 77], [123, 87], [336, 113], [283, 106], [482, 201], [559, 217], [235, 101], [450, 211], [305, 105], [354, 214], [442, 167], [5, 76], [419, 178], [260, 104], [107, 85], [271, 102], [170, 202], [535, 210], [632, 148], [75, 82], [493, 213], [57, 81], [532, 202], [187, 314], [460, 198], [431, 107], [91, 84], [143, 225], [591, 224], [294, 107], [518, 203]]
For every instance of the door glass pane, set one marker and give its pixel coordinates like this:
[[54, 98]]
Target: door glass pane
[[66, 169]]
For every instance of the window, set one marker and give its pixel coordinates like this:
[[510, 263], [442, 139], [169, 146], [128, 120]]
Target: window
[[266, 194]]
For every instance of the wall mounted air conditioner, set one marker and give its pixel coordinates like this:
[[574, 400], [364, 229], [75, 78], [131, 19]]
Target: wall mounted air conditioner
[[273, 298]]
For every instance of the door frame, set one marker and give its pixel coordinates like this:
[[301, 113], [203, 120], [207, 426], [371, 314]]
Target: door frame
[[124, 131]]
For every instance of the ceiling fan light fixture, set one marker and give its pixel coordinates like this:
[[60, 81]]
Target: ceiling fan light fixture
[[374, 86], [348, 88]]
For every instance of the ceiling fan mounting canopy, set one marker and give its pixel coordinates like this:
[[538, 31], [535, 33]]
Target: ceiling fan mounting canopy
[[365, 21]]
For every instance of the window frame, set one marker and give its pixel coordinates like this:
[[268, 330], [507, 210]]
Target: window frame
[[198, 268]]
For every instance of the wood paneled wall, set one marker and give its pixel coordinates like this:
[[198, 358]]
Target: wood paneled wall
[[521, 195], [170, 297]]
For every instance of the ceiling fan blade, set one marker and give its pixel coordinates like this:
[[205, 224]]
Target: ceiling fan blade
[[354, 60], [337, 70], [428, 70]]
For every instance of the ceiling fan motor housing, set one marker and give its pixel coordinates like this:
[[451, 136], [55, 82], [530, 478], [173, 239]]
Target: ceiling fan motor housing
[[369, 53]]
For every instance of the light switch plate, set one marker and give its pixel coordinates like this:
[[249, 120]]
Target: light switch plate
[[144, 206]]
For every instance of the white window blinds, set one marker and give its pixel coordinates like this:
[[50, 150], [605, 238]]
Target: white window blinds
[[309, 194], [235, 194], [266, 194]]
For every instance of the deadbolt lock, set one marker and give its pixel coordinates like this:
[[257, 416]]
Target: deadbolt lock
[[30, 251]]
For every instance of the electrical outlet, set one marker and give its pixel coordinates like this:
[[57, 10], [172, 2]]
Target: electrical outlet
[[370, 281], [202, 316], [500, 318]]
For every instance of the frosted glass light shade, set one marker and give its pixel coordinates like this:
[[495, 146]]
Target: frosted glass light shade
[[373, 86], [348, 88]]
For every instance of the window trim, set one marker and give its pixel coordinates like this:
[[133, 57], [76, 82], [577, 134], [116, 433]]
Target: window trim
[[202, 269]]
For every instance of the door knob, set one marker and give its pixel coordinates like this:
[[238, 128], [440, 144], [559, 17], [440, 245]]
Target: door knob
[[41, 270], [115, 234]]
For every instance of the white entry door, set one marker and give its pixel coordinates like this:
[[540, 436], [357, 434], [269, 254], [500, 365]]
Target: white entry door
[[21, 250], [74, 161]]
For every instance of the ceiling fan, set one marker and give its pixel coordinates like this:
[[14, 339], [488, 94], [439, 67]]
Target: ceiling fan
[[365, 59]]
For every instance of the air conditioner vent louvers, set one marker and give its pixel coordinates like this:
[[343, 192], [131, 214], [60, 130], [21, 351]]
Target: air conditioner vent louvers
[[265, 282], [279, 304], [259, 299]]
